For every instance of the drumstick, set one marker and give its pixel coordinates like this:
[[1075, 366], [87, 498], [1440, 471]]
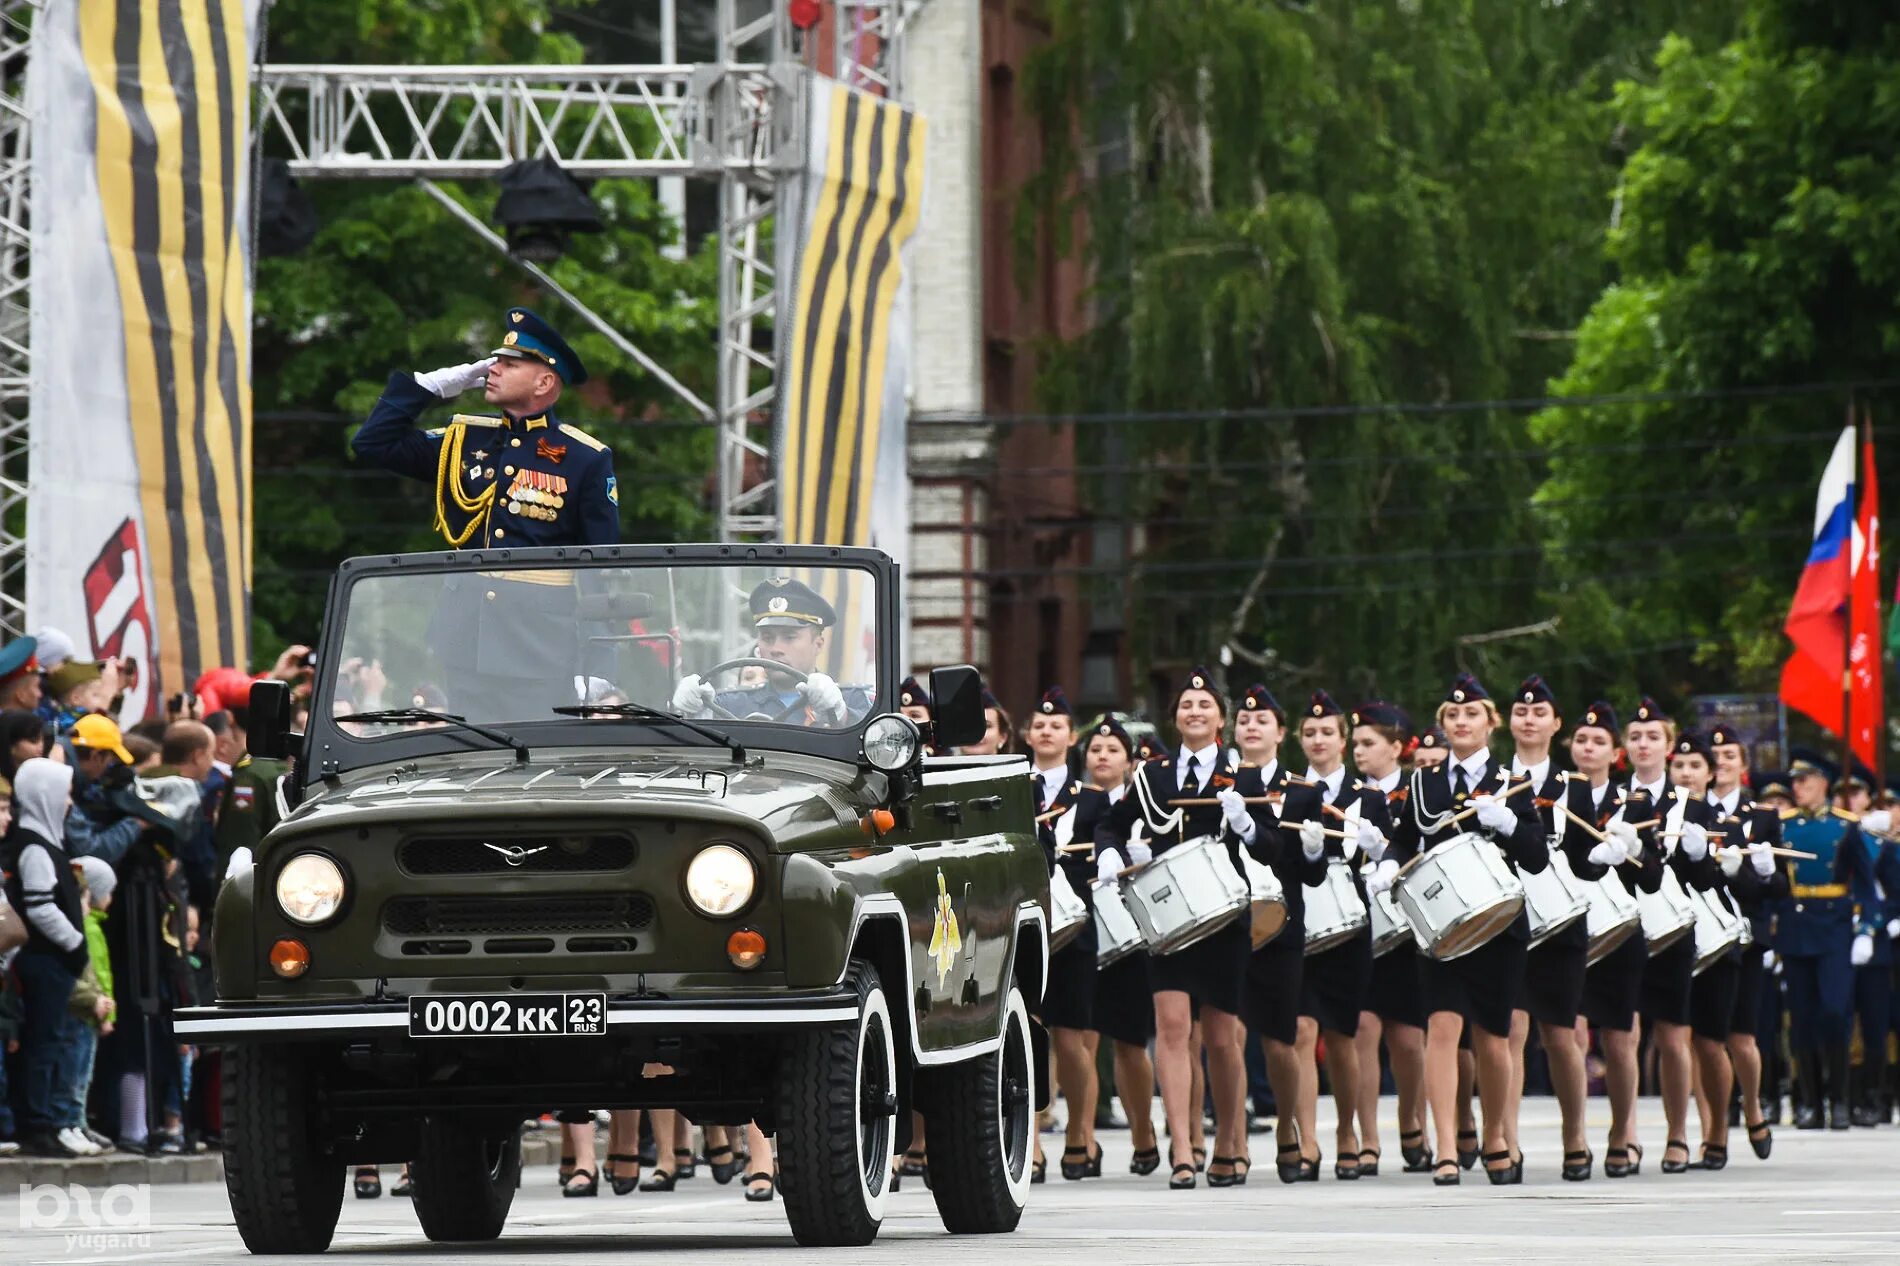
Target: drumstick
[[1590, 829], [1088, 847], [1462, 814], [1775, 850], [1208, 802]]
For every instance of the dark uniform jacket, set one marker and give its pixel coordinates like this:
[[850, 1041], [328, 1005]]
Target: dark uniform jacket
[[1430, 803]]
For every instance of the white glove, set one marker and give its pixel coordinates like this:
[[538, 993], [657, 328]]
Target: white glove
[[1761, 856], [1695, 841], [455, 379], [1893, 929], [1233, 811], [1139, 854], [1625, 834], [826, 700], [1496, 816], [1863, 951], [1380, 880], [1768, 960], [1731, 862], [1312, 839], [1879, 821], [1372, 840], [1108, 869], [241, 862], [1609, 853], [693, 696]]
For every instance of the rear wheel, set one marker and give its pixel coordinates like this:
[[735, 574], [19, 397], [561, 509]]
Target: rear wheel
[[464, 1176], [286, 1186], [981, 1115], [837, 1115]]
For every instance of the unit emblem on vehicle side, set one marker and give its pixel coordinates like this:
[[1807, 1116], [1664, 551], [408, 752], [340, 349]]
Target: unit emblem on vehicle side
[[946, 942]]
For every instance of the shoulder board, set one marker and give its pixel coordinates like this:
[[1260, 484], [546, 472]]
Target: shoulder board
[[1247, 764], [1790, 813], [1074, 788], [1358, 784], [473, 419], [583, 437], [1162, 761], [1845, 815]]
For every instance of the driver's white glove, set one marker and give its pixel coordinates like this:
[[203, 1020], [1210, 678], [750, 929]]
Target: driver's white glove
[[1761, 855], [1695, 841], [1496, 816], [1609, 853], [1108, 869], [1372, 840], [1312, 839], [1139, 854], [826, 700], [1768, 960], [1879, 821], [1233, 811], [693, 696], [455, 379], [241, 862], [1731, 862], [1625, 834], [1380, 880], [1893, 929], [1863, 951]]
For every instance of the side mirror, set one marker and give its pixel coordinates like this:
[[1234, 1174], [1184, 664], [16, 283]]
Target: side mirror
[[270, 719], [956, 706]]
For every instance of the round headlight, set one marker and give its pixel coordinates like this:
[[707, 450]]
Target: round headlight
[[891, 742], [720, 880], [310, 888]]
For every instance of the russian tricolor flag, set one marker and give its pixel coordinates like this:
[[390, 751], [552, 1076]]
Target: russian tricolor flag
[[1813, 681]]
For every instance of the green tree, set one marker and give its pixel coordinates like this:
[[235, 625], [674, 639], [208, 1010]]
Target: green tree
[[394, 283], [1758, 245]]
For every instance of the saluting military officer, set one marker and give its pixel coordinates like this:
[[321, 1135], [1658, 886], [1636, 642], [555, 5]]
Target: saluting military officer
[[523, 478], [791, 620]]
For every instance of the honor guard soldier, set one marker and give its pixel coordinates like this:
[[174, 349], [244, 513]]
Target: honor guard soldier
[[523, 478], [1818, 934], [791, 620]]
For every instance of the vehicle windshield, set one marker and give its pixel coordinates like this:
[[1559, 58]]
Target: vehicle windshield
[[788, 645]]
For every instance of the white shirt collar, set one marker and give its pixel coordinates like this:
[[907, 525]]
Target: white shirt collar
[[1330, 781], [1473, 765], [1727, 804], [1206, 760], [1655, 789], [1116, 793], [1536, 773], [1390, 782], [1053, 779]]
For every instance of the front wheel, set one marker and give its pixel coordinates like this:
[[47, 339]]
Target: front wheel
[[286, 1186], [837, 1115], [981, 1114], [464, 1175]]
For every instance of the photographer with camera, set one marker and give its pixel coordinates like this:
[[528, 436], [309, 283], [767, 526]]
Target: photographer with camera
[[103, 822]]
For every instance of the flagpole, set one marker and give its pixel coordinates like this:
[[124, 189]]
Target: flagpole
[[1847, 657], [1880, 708]]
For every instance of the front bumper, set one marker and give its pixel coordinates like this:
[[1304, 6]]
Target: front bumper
[[357, 1021]]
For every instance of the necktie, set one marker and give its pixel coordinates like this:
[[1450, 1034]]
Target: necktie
[[1458, 785], [1191, 783]]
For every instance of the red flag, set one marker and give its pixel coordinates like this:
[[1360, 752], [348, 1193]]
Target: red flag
[[1866, 720], [1811, 680]]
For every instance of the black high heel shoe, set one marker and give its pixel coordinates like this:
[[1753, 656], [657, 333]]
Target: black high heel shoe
[[757, 1194], [367, 1183], [405, 1186], [1446, 1173], [1182, 1178], [1579, 1165], [1675, 1167], [913, 1165], [1368, 1162], [1344, 1172], [1289, 1170], [1417, 1156], [1467, 1158], [1090, 1166], [690, 1168], [1510, 1175], [1309, 1169], [661, 1179], [622, 1185], [564, 1171], [723, 1171], [1714, 1156], [1145, 1161], [591, 1189], [1231, 1178], [1039, 1171], [1761, 1139]]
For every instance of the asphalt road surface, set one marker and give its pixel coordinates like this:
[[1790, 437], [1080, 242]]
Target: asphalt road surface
[[1822, 1197]]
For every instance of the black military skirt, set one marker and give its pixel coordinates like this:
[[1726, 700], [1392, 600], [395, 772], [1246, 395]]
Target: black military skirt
[[1275, 975], [1335, 984], [1069, 1001], [1212, 972], [1749, 974], [1554, 975], [1666, 980], [1712, 998], [1613, 986], [1124, 1006], [1482, 986], [1394, 994]]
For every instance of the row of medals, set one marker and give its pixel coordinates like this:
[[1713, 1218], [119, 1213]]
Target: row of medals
[[537, 495]]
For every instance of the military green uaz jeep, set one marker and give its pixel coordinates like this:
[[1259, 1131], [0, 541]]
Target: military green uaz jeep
[[618, 828]]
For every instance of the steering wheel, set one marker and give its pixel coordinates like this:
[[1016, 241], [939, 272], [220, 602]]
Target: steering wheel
[[771, 666]]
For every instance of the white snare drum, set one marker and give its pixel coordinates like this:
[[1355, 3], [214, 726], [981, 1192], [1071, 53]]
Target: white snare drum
[[1334, 912], [1068, 913], [1667, 914], [1458, 895], [1613, 917], [1117, 935], [1389, 928], [1186, 895], [1718, 929], [1268, 897], [1553, 898]]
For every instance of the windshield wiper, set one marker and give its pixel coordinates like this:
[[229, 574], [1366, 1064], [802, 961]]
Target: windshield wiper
[[446, 718], [642, 712]]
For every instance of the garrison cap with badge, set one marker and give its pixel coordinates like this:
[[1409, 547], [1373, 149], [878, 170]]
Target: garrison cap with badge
[[500, 481], [1466, 689], [1534, 689], [1257, 698], [1379, 712], [1323, 704], [1647, 709], [1200, 679], [1691, 743], [911, 694], [1055, 703], [1600, 715]]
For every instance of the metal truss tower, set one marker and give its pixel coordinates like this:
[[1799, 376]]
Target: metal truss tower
[[16, 344]]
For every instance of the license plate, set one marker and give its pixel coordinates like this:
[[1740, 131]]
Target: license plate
[[508, 1015]]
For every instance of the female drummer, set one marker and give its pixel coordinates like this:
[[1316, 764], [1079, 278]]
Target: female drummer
[[1759, 885], [1683, 832], [1480, 986], [1276, 970], [1336, 980], [1123, 1010], [914, 702], [1069, 994], [1209, 972], [1553, 976], [1380, 733]]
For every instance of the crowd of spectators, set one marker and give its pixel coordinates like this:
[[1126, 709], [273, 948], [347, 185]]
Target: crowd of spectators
[[113, 842]]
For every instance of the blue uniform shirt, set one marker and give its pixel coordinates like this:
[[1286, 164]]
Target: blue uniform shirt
[[1834, 895], [507, 481]]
